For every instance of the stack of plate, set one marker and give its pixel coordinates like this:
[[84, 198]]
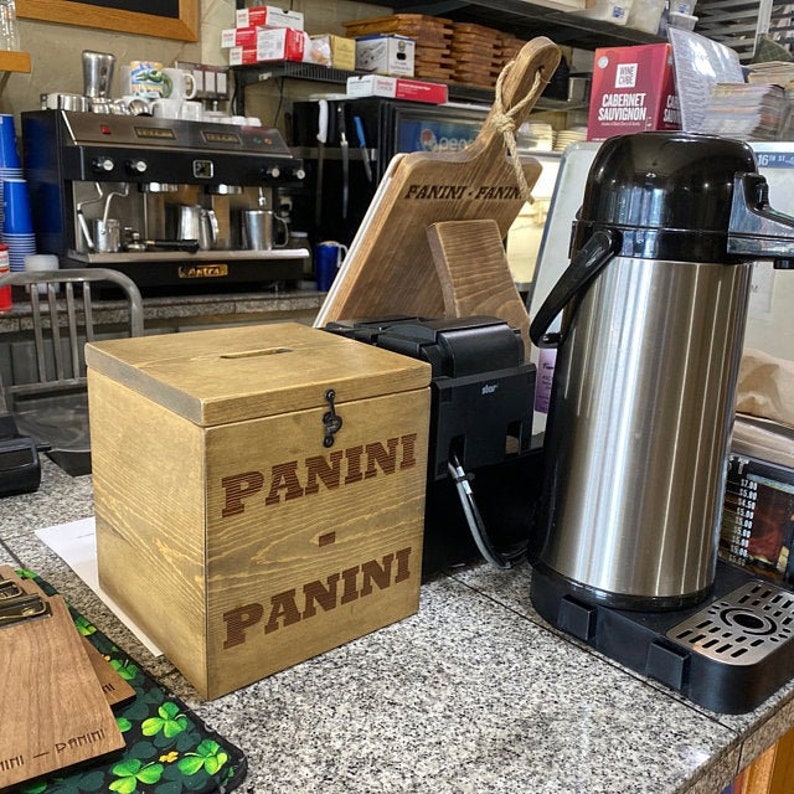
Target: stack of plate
[[535, 135], [565, 138]]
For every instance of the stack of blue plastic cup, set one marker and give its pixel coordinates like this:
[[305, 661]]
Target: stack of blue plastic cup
[[10, 167], [7, 173], [18, 232], [16, 221]]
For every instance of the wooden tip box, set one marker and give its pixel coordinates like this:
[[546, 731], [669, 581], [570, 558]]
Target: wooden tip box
[[239, 521]]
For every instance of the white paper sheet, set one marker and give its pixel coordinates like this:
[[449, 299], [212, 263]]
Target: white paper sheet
[[75, 544]]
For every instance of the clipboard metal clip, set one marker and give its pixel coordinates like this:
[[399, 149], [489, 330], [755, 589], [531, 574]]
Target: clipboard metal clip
[[22, 607]]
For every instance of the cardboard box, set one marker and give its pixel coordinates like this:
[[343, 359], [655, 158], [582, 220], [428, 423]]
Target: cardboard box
[[633, 90], [239, 37], [385, 54], [336, 51], [269, 15], [259, 492], [243, 56], [397, 88], [272, 44]]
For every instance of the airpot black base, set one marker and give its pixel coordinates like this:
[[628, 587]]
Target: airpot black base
[[728, 653]]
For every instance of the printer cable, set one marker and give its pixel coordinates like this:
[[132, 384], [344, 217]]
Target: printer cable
[[473, 518]]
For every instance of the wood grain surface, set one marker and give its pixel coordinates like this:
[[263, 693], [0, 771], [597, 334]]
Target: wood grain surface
[[476, 285], [60, 715], [245, 547], [389, 269]]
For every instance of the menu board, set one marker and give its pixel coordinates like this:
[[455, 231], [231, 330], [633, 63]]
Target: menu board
[[758, 518]]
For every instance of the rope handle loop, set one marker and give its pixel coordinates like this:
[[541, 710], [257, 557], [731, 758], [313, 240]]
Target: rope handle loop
[[505, 123]]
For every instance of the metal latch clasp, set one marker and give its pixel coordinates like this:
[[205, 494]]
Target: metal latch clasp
[[332, 422]]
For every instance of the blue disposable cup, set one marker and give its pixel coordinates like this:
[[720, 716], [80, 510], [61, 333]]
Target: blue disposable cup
[[9, 155], [328, 258], [17, 218], [7, 173]]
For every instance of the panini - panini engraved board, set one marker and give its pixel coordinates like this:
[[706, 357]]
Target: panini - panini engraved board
[[389, 269]]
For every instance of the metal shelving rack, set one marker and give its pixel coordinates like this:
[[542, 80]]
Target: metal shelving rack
[[739, 23], [523, 19], [527, 20], [256, 73]]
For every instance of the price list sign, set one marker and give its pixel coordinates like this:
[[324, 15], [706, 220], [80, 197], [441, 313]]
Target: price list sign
[[758, 518]]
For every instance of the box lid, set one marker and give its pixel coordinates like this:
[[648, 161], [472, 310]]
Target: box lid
[[387, 36], [232, 374]]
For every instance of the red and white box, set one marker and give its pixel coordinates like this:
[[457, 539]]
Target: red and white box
[[239, 37], [268, 15], [633, 90], [397, 88], [272, 44]]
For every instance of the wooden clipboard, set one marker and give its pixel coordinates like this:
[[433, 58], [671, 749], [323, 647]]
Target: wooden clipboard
[[390, 268], [64, 716]]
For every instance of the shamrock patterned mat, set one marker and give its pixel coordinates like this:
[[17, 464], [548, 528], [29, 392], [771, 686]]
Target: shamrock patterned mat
[[168, 749]]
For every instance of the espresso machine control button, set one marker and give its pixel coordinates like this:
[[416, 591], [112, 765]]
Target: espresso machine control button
[[273, 172], [104, 164], [137, 166], [299, 173]]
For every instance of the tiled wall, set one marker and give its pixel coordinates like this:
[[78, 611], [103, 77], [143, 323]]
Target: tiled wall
[[56, 49]]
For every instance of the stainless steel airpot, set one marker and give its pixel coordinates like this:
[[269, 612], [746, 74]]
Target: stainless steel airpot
[[654, 304]]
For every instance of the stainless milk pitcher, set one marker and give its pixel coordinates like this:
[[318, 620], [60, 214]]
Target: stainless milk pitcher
[[197, 223], [654, 304]]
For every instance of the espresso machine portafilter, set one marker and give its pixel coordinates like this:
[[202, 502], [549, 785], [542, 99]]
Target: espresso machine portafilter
[[653, 309]]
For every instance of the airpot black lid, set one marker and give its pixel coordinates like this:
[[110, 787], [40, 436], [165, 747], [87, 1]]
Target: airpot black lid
[[665, 180], [668, 193]]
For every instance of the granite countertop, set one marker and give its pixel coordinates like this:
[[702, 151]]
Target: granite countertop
[[475, 693], [221, 307]]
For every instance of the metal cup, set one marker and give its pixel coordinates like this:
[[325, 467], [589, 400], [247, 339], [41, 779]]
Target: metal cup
[[61, 101], [258, 230], [189, 222], [107, 235], [97, 73]]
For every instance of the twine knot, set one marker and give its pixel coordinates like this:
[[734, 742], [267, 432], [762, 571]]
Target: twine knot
[[505, 123]]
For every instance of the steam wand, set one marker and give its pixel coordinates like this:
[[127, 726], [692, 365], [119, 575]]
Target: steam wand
[[81, 215]]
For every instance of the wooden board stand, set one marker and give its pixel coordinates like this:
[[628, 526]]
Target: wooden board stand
[[389, 269], [479, 284]]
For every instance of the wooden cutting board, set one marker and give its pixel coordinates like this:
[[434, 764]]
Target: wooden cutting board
[[389, 269]]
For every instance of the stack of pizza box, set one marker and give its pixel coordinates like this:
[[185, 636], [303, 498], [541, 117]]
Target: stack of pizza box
[[477, 53]]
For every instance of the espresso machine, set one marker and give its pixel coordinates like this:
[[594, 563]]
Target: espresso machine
[[164, 201], [653, 308]]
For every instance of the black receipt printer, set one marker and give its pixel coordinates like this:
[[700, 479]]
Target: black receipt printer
[[482, 395], [20, 467]]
